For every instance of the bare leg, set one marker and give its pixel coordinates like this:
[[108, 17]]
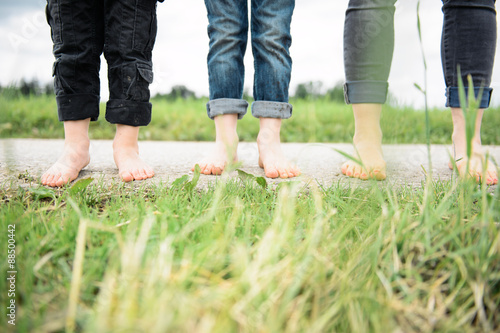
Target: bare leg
[[368, 143], [460, 149], [226, 144], [126, 154], [271, 157], [75, 155]]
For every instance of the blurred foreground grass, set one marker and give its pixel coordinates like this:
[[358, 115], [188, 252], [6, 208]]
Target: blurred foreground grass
[[238, 257], [186, 120]]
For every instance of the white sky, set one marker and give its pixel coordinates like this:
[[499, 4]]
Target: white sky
[[182, 44]]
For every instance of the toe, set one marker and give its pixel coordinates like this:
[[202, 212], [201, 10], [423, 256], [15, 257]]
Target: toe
[[378, 174], [137, 174], [126, 176], [43, 180], [143, 174], [283, 173], [363, 175], [48, 179], [271, 172], [53, 179], [211, 170], [492, 178], [202, 167], [58, 182], [357, 171], [344, 168], [218, 168], [207, 170], [350, 171], [64, 179], [295, 172]]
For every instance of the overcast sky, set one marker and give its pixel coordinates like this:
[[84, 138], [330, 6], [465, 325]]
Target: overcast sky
[[182, 44]]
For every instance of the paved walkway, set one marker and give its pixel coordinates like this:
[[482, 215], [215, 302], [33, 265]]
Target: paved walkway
[[170, 160]]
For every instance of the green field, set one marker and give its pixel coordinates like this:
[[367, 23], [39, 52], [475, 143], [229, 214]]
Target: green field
[[244, 256], [318, 120]]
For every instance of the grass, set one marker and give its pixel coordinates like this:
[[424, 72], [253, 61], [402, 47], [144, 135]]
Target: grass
[[185, 120], [239, 257]]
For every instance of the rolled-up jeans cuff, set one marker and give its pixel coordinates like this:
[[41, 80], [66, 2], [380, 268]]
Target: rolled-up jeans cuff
[[220, 106], [78, 107], [266, 109], [126, 112], [356, 92], [453, 98]]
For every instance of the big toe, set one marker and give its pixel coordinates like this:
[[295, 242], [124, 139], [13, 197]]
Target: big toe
[[378, 174], [272, 172], [127, 176], [64, 179]]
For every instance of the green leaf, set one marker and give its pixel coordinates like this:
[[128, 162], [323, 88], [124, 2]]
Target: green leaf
[[192, 184], [179, 182], [261, 181], [419, 87], [41, 193], [245, 176], [80, 185]]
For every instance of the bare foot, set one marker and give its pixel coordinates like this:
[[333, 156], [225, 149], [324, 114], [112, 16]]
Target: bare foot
[[226, 144], [476, 165], [271, 157], [75, 155], [477, 160], [126, 154], [368, 144]]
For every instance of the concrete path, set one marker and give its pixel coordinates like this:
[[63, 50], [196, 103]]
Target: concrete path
[[21, 159]]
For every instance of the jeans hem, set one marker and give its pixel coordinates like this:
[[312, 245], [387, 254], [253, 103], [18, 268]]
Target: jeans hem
[[357, 92], [453, 98], [221, 106], [126, 112], [78, 107], [266, 109]]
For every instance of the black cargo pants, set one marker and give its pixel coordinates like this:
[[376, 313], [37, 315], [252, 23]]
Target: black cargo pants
[[125, 30]]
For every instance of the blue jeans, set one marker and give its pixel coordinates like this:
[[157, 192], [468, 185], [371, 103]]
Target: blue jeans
[[271, 40], [468, 41]]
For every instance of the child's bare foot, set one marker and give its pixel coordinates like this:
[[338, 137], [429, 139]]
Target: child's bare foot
[[271, 157], [226, 144], [477, 160], [126, 155], [368, 143], [75, 155]]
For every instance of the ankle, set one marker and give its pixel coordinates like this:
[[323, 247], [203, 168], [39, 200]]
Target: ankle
[[372, 135], [268, 136], [125, 144], [78, 145]]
